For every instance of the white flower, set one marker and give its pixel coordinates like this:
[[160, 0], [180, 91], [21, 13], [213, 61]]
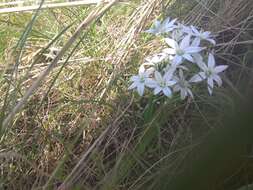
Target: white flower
[[162, 84], [179, 32], [197, 58], [177, 35], [155, 59], [140, 81], [195, 42], [163, 73], [171, 68], [153, 62], [185, 29], [183, 50], [209, 72], [162, 27], [182, 85], [202, 35]]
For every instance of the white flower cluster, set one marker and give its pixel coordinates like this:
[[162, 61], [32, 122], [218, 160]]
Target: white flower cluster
[[186, 56]]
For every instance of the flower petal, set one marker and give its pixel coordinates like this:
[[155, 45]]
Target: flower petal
[[198, 77], [183, 94], [190, 92], [151, 31], [187, 30], [158, 76], [135, 78], [169, 74], [220, 68], [211, 61], [185, 42], [210, 90], [157, 90], [176, 88], [169, 51], [197, 57], [170, 83], [177, 60], [150, 71], [167, 92], [196, 42], [202, 75], [150, 83], [141, 70], [181, 74], [188, 57], [212, 41], [200, 63], [173, 21], [193, 49], [172, 43], [140, 89], [132, 86], [194, 29], [217, 79], [157, 23], [210, 82], [207, 33]]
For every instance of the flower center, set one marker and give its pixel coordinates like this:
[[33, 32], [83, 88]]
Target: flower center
[[202, 37], [142, 79], [177, 34], [162, 84], [180, 52], [209, 72], [182, 84]]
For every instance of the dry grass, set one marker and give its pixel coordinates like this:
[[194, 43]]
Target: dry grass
[[87, 21], [47, 5]]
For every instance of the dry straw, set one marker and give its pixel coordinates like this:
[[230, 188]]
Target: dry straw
[[97, 13], [119, 57], [46, 6]]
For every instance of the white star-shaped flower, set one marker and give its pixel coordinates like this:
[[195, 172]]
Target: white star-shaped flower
[[202, 35], [183, 50], [209, 72], [172, 67], [155, 59], [152, 62], [179, 31], [177, 35], [162, 27], [140, 81], [162, 83], [184, 28], [182, 85]]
